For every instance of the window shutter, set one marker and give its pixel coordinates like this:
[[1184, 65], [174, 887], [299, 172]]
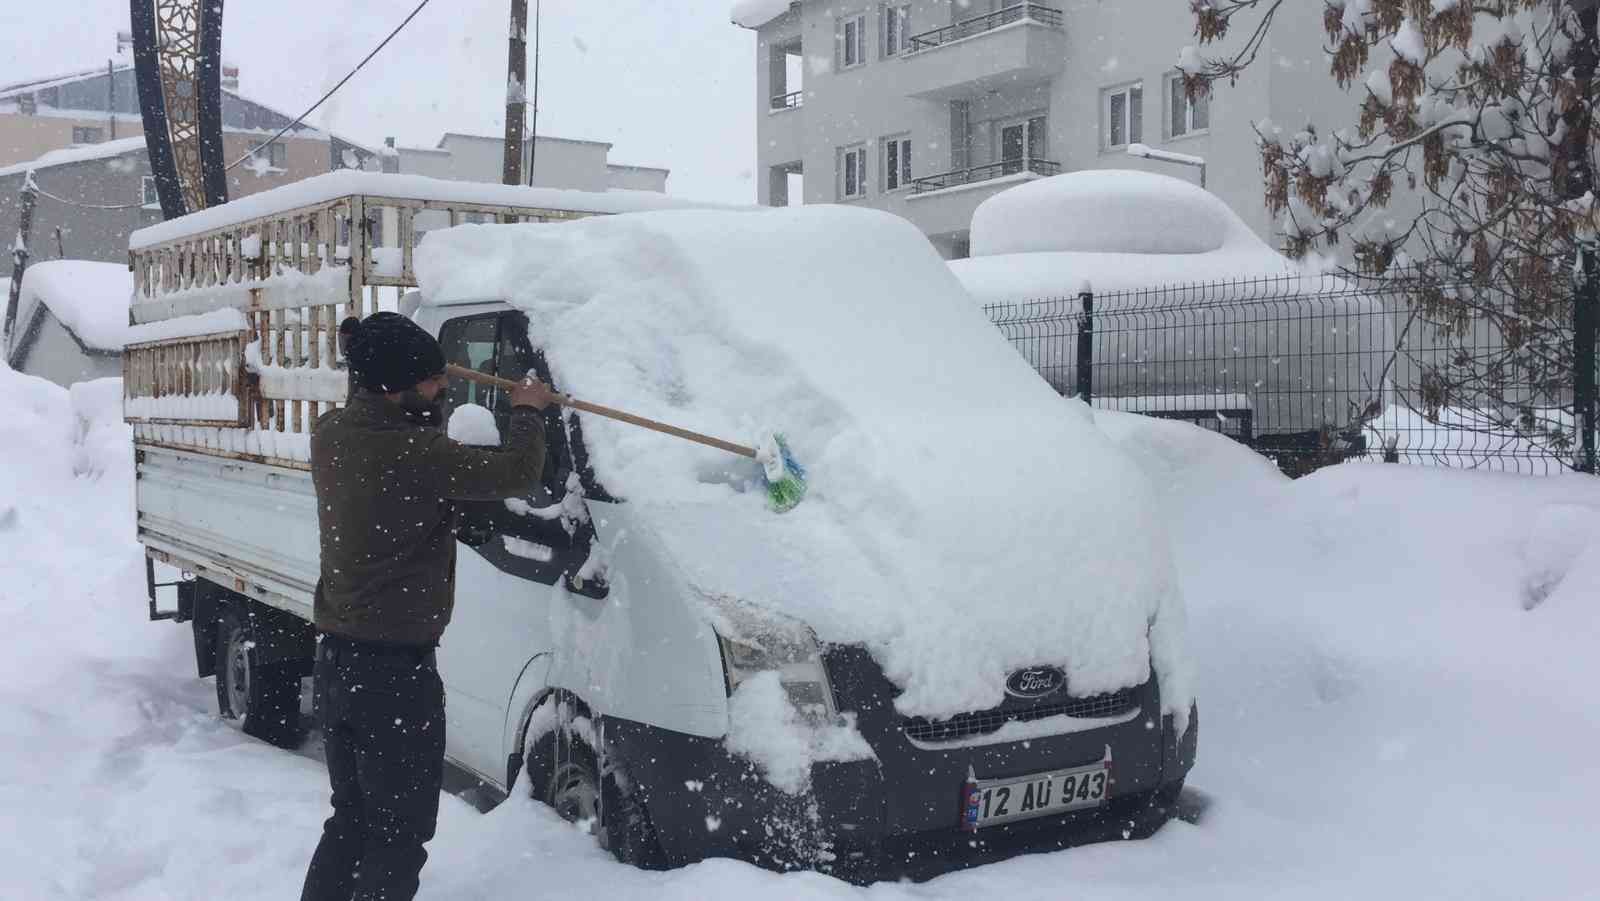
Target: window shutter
[[1135, 115]]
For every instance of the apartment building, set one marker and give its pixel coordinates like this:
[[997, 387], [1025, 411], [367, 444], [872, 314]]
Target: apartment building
[[82, 136], [925, 108], [557, 163]]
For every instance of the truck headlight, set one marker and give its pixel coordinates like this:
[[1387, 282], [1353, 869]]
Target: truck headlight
[[797, 659]]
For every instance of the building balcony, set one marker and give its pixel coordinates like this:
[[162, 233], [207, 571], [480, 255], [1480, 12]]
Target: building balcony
[[791, 100], [1016, 46], [979, 174]]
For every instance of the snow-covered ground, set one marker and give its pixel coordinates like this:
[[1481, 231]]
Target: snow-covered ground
[[1395, 670]]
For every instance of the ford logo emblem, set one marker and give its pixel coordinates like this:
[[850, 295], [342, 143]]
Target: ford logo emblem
[[1035, 682]]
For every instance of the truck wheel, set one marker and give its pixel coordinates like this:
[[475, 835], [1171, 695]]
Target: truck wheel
[[264, 698], [563, 773]]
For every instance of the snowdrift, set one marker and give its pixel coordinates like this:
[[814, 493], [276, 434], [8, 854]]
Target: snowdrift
[[962, 522]]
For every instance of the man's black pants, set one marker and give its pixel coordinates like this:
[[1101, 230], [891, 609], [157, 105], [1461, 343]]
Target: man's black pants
[[381, 710]]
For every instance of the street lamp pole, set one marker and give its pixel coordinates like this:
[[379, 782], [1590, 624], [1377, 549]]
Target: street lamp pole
[[1146, 152]]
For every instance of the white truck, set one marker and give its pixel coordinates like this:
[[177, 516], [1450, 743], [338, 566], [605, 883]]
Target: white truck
[[615, 650]]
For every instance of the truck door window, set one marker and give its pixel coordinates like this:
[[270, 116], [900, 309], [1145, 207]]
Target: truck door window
[[523, 536]]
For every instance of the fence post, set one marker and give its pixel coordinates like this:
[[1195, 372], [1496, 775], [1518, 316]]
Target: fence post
[[1086, 348], [1583, 357]]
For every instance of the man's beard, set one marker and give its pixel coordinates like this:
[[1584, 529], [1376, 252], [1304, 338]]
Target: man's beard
[[421, 410]]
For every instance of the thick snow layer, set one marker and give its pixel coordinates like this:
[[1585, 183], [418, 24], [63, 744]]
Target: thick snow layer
[[319, 383], [1382, 717], [1110, 230], [940, 515], [756, 13], [1104, 211], [216, 322], [346, 182], [85, 153], [765, 727], [89, 298]]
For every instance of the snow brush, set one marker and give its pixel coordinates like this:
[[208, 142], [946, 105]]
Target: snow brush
[[785, 478]]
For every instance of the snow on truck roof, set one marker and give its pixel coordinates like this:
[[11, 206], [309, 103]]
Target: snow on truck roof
[[963, 521], [1114, 229], [346, 182]]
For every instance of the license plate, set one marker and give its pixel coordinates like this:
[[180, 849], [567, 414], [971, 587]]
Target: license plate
[[994, 801]]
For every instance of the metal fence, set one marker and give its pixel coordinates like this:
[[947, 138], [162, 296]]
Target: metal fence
[[1312, 370]]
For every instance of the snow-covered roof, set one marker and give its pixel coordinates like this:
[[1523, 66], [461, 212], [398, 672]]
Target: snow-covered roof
[[953, 494], [323, 188], [756, 13], [78, 154], [14, 88], [89, 298], [1115, 230]]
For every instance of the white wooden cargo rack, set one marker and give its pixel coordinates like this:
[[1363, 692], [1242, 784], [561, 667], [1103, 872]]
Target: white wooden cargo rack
[[252, 391]]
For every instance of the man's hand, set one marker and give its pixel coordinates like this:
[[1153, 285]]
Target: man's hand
[[532, 393]]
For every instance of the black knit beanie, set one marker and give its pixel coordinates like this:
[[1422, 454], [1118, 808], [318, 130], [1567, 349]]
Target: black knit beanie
[[390, 353]]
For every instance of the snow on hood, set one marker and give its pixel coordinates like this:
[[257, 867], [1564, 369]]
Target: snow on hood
[[962, 522], [1115, 230]]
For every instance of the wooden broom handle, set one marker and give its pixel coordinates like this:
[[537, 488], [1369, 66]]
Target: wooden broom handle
[[473, 375]]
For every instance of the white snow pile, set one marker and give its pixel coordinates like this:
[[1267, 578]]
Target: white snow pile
[[89, 298], [474, 424], [764, 726], [951, 499], [1110, 229]]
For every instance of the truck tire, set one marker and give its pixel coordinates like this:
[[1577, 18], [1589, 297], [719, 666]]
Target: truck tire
[[264, 698], [563, 772]]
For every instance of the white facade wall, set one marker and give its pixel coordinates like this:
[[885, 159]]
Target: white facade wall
[[1020, 70], [559, 163]]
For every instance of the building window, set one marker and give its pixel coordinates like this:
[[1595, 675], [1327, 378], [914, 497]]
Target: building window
[[1185, 117], [148, 192], [852, 38], [1020, 140], [896, 163], [1124, 115], [853, 171], [278, 155], [87, 134], [896, 33]]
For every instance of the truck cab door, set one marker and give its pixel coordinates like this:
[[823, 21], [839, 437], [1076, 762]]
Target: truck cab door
[[515, 555]]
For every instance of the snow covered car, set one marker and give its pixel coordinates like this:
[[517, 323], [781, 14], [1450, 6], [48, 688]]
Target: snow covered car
[[1193, 310], [953, 649]]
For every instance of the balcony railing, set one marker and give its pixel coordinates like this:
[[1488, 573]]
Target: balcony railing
[[1034, 12], [793, 100], [982, 173]]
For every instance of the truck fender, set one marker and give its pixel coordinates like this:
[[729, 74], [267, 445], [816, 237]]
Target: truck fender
[[531, 690]]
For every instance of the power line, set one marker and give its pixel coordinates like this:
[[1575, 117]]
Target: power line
[[313, 108], [85, 204]]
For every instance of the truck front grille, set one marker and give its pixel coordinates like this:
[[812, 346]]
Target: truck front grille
[[986, 722]]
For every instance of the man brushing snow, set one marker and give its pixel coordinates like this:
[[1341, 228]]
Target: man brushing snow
[[385, 475]]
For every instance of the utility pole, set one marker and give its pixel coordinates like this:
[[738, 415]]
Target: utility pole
[[111, 97], [516, 92], [533, 130], [19, 262]]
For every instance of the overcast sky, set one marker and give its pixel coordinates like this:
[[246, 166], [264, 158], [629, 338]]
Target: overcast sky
[[669, 84]]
